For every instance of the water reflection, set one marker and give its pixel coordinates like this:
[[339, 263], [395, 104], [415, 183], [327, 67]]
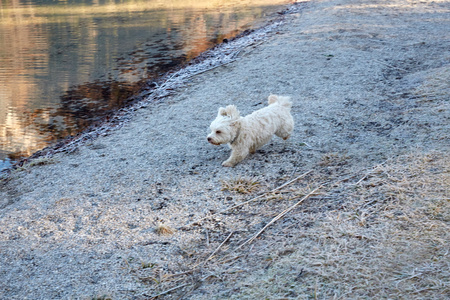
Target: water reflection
[[64, 64]]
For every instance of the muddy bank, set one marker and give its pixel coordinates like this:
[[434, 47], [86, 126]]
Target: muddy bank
[[367, 168]]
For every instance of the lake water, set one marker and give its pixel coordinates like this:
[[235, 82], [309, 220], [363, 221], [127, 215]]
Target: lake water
[[65, 64]]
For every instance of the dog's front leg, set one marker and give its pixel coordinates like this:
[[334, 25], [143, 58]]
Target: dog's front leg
[[235, 157]]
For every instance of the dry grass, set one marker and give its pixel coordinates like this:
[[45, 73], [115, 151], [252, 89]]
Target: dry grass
[[241, 185], [381, 234], [163, 229], [388, 240], [333, 159]]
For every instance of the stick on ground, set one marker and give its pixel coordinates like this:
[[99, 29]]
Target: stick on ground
[[253, 199], [279, 216]]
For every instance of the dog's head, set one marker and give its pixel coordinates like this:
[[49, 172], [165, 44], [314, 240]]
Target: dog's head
[[225, 127]]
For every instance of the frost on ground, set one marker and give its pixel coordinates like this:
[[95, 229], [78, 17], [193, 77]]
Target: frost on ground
[[354, 205]]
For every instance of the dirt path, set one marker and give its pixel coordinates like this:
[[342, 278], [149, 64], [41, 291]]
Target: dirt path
[[370, 82]]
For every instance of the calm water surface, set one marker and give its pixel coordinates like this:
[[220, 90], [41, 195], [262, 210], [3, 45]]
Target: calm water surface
[[64, 64]]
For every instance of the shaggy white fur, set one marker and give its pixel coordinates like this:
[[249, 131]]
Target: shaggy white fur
[[246, 134]]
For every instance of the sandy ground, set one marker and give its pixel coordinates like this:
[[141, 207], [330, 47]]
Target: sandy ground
[[370, 82]]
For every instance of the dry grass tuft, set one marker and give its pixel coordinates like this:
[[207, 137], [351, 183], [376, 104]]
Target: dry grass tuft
[[333, 159], [241, 185], [163, 229]]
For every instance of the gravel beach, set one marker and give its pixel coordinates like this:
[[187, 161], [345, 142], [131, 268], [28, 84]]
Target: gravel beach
[[145, 211]]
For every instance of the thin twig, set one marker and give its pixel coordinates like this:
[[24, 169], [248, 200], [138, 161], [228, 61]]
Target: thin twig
[[279, 216], [169, 290], [230, 259], [180, 274], [195, 268], [197, 284], [207, 238], [253, 199], [217, 249], [370, 172], [390, 66], [266, 193]]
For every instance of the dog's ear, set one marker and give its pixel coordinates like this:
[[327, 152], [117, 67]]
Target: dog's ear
[[232, 112], [272, 99], [222, 112]]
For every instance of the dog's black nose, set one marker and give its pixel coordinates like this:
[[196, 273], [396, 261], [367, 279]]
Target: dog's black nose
[[209, 139]]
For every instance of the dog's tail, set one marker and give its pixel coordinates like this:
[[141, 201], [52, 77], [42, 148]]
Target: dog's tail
[[281, 100]]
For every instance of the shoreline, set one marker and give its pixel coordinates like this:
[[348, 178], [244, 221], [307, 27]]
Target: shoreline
[[355, 204], [158, 87]]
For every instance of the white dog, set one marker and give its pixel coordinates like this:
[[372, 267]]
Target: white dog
[[246, 134]]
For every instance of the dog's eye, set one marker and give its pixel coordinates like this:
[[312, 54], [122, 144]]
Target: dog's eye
[[218, 132]]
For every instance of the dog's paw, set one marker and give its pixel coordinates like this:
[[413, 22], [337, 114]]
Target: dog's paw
[[227, 164]]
